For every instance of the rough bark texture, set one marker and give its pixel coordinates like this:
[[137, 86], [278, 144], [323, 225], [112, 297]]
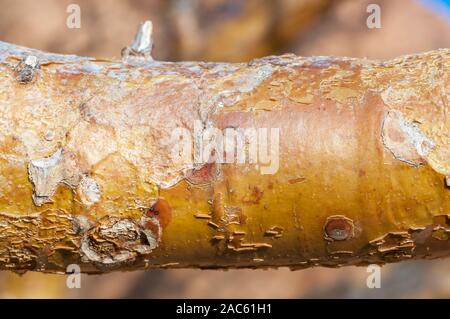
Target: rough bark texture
[[86, 174]]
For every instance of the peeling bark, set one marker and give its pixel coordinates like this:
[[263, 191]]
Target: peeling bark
[[87, 176]]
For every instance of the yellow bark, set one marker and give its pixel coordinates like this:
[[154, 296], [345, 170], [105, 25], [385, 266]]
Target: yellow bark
[[87, 174]]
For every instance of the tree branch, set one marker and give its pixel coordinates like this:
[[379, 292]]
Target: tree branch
[[88, 174]]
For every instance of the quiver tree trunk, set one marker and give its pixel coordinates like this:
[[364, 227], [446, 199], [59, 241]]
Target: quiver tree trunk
[[358, 171]]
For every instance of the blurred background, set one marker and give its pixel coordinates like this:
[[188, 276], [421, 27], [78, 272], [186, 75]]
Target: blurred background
[[234, 30]]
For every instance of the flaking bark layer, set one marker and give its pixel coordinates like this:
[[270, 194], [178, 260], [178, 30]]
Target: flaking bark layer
[[86, 174]]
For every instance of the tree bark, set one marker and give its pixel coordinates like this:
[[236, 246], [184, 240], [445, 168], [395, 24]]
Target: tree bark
[[88, 175]]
